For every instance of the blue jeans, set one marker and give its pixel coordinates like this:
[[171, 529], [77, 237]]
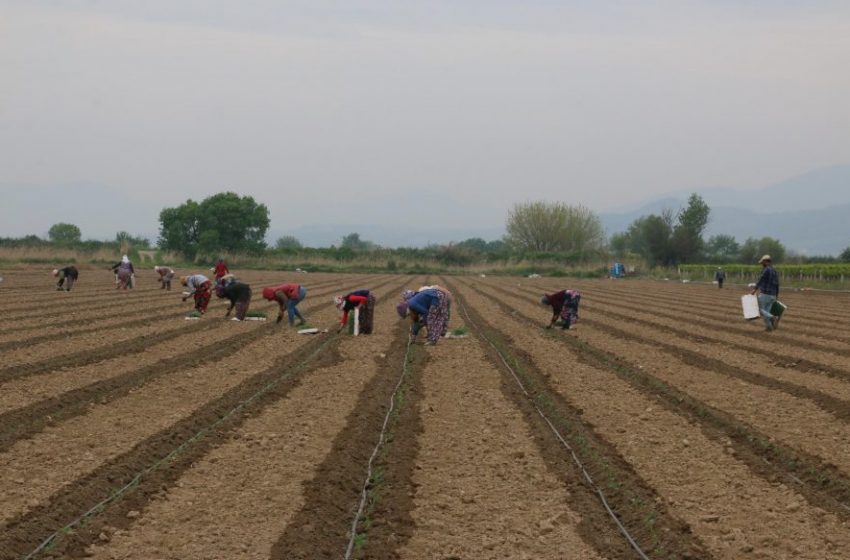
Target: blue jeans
[[765, 303], [292, 310]]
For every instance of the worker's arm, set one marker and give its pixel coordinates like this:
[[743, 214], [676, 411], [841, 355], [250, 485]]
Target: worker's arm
[[281, 299]]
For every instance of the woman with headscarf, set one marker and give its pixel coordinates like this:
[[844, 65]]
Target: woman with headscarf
[[199, 289], [288, 296], [239, 295], [448, 304], [67, 276], [166, 275], [124, 272], [564, 306], [364, 301], [428, 308]]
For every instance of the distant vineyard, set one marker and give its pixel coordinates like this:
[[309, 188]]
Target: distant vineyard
[[832, 272]]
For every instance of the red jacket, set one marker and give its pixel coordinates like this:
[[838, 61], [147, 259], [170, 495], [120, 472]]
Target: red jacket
[[351, 301], [289, 290]]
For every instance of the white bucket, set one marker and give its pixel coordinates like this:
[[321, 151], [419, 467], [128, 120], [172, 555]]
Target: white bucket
[[750, 306]]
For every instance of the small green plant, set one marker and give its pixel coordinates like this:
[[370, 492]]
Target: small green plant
[[258, 314], [194, 313], [460, 331]]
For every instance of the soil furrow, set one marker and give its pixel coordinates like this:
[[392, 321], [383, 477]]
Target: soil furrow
[[22, 534], [822, 483], [258, 473], [632, 498], [32, 419], [728, 508], [89, 356], [331, 497]]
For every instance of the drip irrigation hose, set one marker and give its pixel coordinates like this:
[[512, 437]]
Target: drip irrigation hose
[[563, 441], [364, 493], [176, 451]]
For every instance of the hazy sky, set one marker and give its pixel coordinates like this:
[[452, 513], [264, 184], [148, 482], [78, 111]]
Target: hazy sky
[[111, 110]]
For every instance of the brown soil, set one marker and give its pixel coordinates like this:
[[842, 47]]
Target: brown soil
[[711, 438]]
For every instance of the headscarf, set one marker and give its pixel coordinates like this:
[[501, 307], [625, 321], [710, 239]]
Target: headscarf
[[402, 308], [268, 293], [156, 268], [55, 272], [184, 280], [124, 259], [545, 300], [407, 294], [339, 301]]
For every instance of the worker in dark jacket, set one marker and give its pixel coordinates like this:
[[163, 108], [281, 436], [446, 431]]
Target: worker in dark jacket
[[239, 295], [720, 276], [564, 306], [767, 287], [364, 301], [67, 276]]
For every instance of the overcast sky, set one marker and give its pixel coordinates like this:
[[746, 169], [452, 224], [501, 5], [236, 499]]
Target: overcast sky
[[111, 110]]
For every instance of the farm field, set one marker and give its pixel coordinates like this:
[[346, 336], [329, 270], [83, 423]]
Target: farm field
[[662, 426]]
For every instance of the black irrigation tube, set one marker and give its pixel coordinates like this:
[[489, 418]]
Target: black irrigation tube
[[100, 506], [558, 435], [731, 427], [364, 493]]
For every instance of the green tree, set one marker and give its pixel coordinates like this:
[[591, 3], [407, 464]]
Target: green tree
[[650, 237], [619, 244], [288, 242], [63, 233], [722, 248], [845, 255], [686, 241], [224, 222], [752, 250], [554, 227], [353, 242]]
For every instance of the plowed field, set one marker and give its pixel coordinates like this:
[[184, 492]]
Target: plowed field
[[662, 426]]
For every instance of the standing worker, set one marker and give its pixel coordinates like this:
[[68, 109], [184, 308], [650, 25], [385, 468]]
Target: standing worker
[[564, 306], [166, 275], [288, 296], [239, 295], [124, 274], [428, 308], [720, 276], [363, 300], [67, 276], [220, 269], [768, 290], [199, 288]]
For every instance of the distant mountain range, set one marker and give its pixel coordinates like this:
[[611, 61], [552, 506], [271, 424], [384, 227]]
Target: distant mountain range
[[809, 214]]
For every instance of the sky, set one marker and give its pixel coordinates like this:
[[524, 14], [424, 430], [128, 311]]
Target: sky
[[435, 114]]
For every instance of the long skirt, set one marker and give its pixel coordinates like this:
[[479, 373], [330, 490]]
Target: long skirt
[[569, 313], [367, 315], [438, 318], [241, 307], [202, 296], [123, 279]]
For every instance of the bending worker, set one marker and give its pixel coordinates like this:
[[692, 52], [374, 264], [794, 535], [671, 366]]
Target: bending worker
[[199, 288], [166, 275], [428, 308], [564, 306], [67, 276], [362, 299], [239, 295], [288, 296]]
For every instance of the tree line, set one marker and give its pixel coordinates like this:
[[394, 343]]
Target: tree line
[[537, 231]]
